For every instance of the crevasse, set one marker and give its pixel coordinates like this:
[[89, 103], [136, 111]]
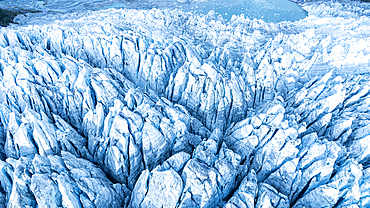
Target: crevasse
[[160, 108]]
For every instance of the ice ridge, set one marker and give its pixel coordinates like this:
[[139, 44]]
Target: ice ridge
[[160, 108]]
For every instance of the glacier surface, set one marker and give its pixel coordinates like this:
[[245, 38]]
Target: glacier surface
[[161, 108], [269, 11]]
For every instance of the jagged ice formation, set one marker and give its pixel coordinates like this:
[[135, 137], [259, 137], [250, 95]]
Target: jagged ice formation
[[160, 108]]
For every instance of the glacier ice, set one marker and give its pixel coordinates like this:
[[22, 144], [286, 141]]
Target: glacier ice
[[270, 11], [161, 108]]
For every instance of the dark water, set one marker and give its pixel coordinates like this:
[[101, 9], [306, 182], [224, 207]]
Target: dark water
[[267, 10]]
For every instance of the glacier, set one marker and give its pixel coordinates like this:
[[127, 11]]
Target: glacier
[[268, 11], [165, 108]]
